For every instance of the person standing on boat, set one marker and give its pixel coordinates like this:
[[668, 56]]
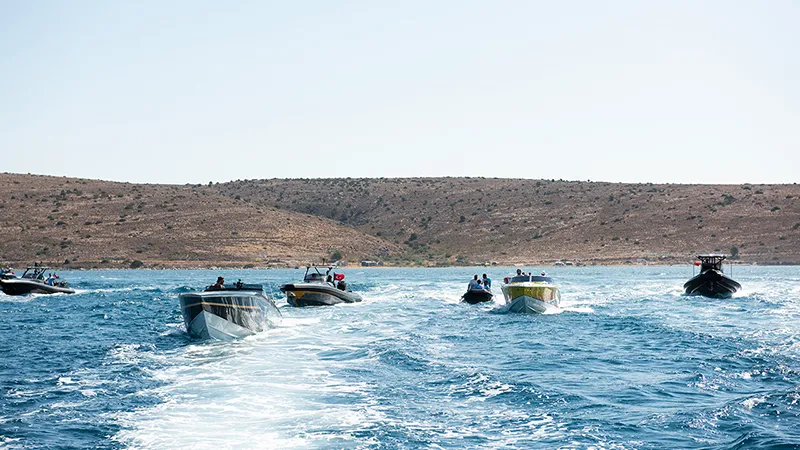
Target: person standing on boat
[[487, 283]]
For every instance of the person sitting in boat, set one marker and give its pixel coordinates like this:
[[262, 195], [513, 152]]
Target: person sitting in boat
[[520, 272], [218, 286], [329, 280], [474, 283], [487, 283], [50, 279]]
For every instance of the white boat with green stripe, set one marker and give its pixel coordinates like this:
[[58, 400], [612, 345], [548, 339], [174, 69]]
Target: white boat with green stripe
[[531, 294]]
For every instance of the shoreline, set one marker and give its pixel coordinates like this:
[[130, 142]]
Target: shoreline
[[57, 267]]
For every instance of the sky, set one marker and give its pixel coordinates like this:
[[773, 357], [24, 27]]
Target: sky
[[198, 91]]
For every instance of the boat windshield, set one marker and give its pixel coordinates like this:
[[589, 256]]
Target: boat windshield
[[528, 278], [314, 276], [238, 286]]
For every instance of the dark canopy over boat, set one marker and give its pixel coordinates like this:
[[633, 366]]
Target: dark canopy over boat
[[318, 288], [711, 282], [33, 281]]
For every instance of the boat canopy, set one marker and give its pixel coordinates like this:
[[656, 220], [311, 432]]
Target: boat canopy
[[711, 261], [315, 273], [530, 278], [712, 256], [35, 272]]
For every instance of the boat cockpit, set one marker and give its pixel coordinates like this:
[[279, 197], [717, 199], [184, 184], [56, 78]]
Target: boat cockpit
[[238, 286]]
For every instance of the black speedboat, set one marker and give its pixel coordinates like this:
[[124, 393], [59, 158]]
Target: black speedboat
[[228, 312], [711, 282], [33, 281], [318, 289], [473, 296]]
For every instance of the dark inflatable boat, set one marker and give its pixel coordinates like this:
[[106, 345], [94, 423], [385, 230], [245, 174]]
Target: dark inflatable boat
[[711, 282], [318, 288], [473, 296]]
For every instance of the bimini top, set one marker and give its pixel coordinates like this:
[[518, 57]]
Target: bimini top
[[529, 278], [35, 272], [314, 273], [711, 261], [712, 256]]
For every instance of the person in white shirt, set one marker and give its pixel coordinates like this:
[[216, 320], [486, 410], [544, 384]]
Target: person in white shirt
[[474, 283]]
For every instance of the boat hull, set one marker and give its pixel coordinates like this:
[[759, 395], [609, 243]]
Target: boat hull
[[530, 305], [206, 325], [226, 315], [314, 294], [474, 296], [532, 298], [713, 284], [25, 287]]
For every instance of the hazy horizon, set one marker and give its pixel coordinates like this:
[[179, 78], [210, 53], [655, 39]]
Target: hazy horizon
[[192, 92]]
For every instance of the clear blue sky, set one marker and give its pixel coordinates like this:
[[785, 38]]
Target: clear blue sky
[[196, 91]]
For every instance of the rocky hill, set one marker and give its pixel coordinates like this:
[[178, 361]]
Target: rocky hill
[[425, 221], [465, 220], [90, 223]]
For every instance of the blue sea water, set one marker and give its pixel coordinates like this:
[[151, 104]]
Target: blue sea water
[[629, 364]]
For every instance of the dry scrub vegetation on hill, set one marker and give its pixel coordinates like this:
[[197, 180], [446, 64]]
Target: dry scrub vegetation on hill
[[106, 224], [527, 221], [399, 221]]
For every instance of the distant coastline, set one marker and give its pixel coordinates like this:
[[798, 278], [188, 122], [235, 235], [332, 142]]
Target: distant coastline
[[77, 223]]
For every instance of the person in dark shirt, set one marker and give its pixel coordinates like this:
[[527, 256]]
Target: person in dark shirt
[[219, 285]]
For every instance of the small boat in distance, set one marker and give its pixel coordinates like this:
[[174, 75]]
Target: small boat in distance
[[317, 288], [228, 312], [532, 294], [711, 282], [33, 281], [474, 296]]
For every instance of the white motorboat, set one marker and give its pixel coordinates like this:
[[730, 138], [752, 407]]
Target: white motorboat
[[532, 294], [228, 313]]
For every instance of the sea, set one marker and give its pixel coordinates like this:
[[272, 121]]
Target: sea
[[630, 363]]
